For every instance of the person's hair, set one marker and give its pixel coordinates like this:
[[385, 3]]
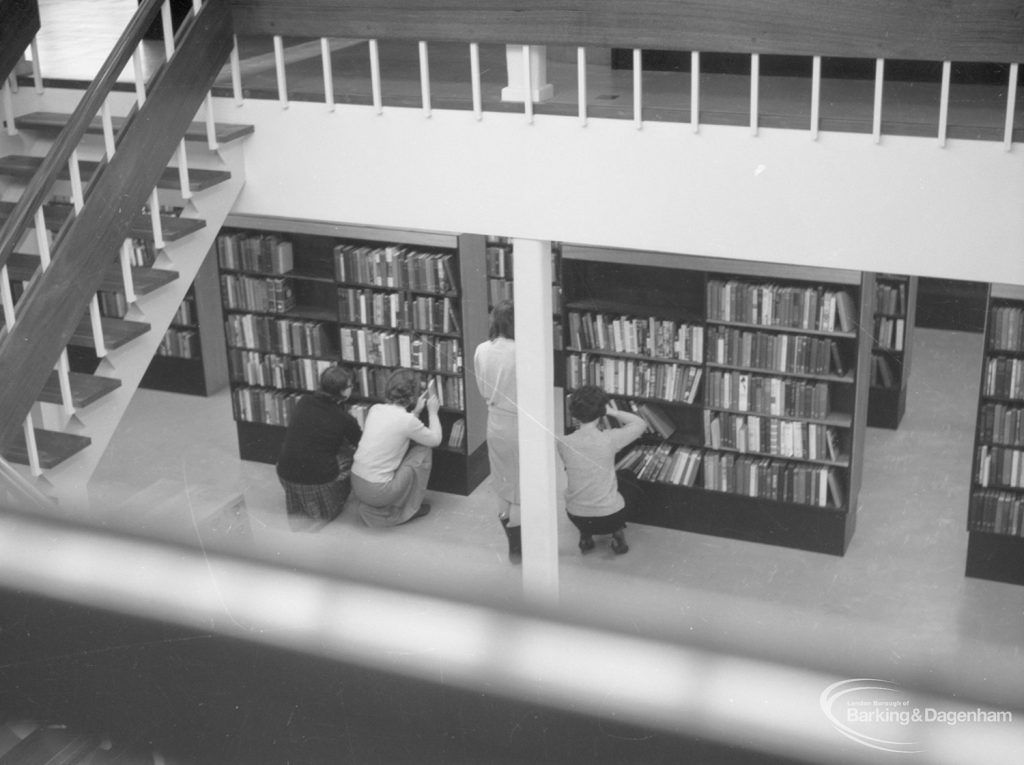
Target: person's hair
[[588, 403], [402, 387], [335, 380], [503, 322]]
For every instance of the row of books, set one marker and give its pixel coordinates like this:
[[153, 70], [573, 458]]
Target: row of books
[[371, 384], [272, 370], [889, 332], [143, 253], [1006, 332], [662, 463], [642, 379], [882, 373], [890, 298], [457, 435], [400, 349], [498, 290], [180, 343], [997, 512], [395, 267], [767, 435], [398, 310], [809, 308], [186, 313], [767, 478], [799, 354], [263, 405], [266, 253], [113, 304], [627, 334], [250, 293], [776, 396], [1000, 466], [499, 261], [1004, 378], [266, 333], [1001, 424]]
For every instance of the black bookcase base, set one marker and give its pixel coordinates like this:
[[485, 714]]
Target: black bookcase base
[[996, 557], [453, 473], [749, 519], [175, 375], [886, 407]]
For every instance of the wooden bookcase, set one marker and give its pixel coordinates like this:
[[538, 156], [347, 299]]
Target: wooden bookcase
[[708, 376], [893, 332], [300, 295], [995, 518]]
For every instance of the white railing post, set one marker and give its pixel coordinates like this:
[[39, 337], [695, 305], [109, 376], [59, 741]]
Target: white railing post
[[325, 57], [876, 119], [9, 108], [695, 91], [158, 225], [527, 85], [815, 97], [638, 94], [1011, 105], [424, 77], [282, 79], [37, 72], [474, 77], [755, 91], [581, 83], [236, 74], [944, 104], [32, 448], [375, 77]]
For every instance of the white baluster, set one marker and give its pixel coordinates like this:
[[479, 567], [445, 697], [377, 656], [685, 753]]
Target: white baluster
[[638, 109], [815, 97], [1011, 105], [77, 195], [96, 321], [424, 78], [474, 78], [282, 79], [140, 81], [581, 84], [527, 85], [37, 72], [755, 91], [944, 103], [6, 297], [32, 448], [236, 74], [325, 56], [695, 91], [876, 124], [211, 125], [67, 400], [109, 144], [168, 28], [9, 108], [183, 175], [158, 226], [375, 77]]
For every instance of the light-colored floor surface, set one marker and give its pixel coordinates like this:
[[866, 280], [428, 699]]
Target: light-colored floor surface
[[900, 590]]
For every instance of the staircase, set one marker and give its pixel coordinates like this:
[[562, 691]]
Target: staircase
[[73, 421]]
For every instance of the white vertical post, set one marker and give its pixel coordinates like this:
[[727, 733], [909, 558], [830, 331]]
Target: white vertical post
[[108, 129], [527, 85], [755, 91], [325, 57], [168, 28], [638, 104], [154, 216], [537, 428], [37, 73], [378, 103], [236, 74], [581, 83], [876, 124], [78, 200], [211, 125], [31, 448], [815, 97], [6, 297], [424, 78], [140, 77], [183, 179], [695, 91], [944, 103], [126, 271], [1011, 105], [282, 80], [474, 78], [77, 194], [67, 400], [9, 108]]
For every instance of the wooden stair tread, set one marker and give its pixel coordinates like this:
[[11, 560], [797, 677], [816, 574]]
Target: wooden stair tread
[[53, 447], [22, 266], [55, 121], [85, 389], [175, 511], [24, 166], [116, 332], [141, 227]]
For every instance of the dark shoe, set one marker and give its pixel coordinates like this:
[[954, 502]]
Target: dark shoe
[[424, 510], [619, 546], [515, 540], [586, 544]]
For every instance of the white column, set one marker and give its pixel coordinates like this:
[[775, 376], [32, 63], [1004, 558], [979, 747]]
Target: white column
[[535, 397], [541, 89]]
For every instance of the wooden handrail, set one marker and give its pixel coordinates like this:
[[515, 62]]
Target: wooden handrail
[[956, 30], [70, 137]]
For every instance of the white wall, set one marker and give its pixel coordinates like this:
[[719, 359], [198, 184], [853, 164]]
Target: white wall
[[904, 205]]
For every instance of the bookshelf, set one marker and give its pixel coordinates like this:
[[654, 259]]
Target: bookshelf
[[995, 517], [756, 417], [895, 305], [299, 295]]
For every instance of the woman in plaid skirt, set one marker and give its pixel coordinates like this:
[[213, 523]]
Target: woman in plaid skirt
[[316, 458]]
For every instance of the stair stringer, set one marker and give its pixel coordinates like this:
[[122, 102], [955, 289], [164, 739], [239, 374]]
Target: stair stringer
[[68, 482]]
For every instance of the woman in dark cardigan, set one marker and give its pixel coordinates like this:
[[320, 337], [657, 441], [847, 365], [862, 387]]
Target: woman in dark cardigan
[[316, 458]]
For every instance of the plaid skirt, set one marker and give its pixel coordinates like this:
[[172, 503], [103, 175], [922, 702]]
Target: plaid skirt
[[319, 501]]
